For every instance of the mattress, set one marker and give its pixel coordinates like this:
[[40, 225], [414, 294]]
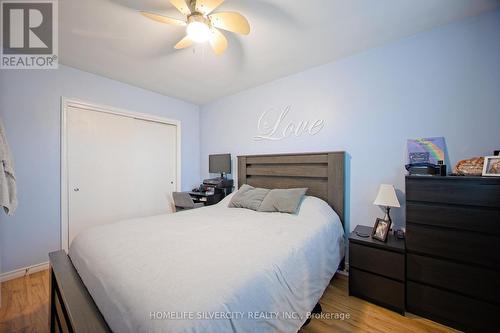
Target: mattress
[[213, 269]]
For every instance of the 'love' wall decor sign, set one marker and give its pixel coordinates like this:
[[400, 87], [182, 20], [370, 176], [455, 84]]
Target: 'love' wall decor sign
[[274, 125]]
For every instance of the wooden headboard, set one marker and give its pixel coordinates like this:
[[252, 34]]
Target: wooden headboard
[[322, 173]]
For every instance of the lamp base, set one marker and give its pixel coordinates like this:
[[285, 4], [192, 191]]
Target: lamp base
[[387, 216]]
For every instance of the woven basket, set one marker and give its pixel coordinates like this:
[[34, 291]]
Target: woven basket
[[470, 167]]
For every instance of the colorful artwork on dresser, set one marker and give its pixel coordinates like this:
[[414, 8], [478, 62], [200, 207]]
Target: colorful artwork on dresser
[[426, 150]]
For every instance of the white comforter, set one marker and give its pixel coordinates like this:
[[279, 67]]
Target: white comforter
[[213, 269]]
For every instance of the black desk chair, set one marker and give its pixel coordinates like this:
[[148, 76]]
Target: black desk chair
[[183, 201]]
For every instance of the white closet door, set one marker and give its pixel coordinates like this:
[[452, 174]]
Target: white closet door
[[118, 168]]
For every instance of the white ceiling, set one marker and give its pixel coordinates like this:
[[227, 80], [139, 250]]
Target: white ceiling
[[110, 38]]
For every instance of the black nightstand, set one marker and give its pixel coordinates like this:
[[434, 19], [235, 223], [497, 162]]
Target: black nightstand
[[377, 269]]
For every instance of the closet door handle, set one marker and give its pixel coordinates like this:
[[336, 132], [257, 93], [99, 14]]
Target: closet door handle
[[76, 189]]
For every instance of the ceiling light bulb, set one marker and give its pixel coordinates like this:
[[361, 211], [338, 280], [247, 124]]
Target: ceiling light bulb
[[198, 32]]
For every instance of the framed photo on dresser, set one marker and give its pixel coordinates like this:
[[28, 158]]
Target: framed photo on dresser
[[491, 166]]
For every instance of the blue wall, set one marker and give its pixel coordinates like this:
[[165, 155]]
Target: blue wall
[[30, 109], [444, 82]]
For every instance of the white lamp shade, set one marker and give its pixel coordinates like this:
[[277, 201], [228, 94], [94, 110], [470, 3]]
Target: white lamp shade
[[387, 196]]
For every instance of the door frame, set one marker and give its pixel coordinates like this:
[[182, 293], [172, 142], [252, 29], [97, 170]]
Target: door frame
[[69, 102]]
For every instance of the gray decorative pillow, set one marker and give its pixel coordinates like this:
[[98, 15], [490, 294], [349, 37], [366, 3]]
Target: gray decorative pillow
[[283, 201], [248, 197]]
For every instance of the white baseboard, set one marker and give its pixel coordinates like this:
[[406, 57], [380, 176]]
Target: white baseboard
[[23, 271], [344, 272]]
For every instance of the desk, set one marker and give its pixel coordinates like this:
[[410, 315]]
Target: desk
[[207, 198]]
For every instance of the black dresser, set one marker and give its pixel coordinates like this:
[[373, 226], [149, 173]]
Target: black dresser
[[453, 251]]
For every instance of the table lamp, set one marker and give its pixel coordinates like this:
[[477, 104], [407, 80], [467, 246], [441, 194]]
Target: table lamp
[[387, 197]]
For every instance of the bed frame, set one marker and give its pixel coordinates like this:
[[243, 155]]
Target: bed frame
[[322, 173], [72, 309]]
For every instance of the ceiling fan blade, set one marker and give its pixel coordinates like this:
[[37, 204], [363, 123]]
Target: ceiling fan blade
[[218, 42], [163, 19], [185, 42], [207, 6], [181, 6], [231, 21]]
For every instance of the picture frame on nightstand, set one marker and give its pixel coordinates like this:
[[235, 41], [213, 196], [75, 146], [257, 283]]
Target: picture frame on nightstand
[[381, 230]]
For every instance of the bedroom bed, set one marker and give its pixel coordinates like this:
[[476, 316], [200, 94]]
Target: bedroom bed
[[214, 269]]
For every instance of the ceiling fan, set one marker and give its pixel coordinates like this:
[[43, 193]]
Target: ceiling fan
[[202, 24]]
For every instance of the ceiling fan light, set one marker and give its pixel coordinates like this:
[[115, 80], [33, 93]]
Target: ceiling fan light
[[198, 32]]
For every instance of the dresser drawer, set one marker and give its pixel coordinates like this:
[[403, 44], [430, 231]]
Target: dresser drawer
[[462, 246], [467, 191], [377, 289], [468, 218], [387, 263], [483, 284], [455, 310]]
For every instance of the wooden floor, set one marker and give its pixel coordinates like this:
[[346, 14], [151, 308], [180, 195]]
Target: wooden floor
[[25, 304], [365, 316], [25, 309]]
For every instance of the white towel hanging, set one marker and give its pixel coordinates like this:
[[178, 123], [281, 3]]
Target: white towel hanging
[[8, 191]]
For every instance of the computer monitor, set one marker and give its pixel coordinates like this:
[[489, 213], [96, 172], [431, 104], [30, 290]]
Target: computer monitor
[[220, 163]]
